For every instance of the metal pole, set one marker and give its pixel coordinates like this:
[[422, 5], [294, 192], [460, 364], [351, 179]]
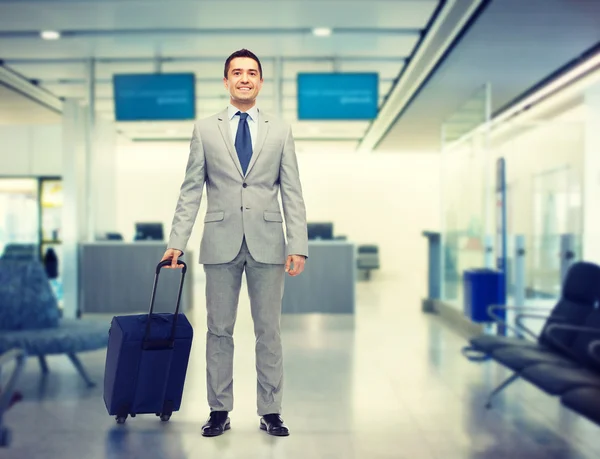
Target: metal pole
[[519, 273], [567, 254], [278, 88], [90, 149]]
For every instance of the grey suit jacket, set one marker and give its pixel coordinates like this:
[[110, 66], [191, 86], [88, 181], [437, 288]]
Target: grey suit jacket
[[241, 205]]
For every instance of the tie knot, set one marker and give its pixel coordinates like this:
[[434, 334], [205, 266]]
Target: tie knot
[[243, 116]]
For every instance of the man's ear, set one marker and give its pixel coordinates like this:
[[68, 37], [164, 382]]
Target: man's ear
[[226, 83]]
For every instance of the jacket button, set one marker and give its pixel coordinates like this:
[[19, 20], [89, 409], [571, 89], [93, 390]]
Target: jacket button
[[245, 185]]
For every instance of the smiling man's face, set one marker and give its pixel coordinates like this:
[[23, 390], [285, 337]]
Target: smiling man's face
[[243, 82]]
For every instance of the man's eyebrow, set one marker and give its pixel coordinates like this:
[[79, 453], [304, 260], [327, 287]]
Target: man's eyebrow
[[239, 70]]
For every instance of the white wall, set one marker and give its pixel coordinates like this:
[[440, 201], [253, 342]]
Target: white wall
[[385, 199], [591, 216], [31, 150]]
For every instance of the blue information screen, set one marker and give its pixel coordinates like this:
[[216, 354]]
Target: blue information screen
[[338, 96], [155, 97]]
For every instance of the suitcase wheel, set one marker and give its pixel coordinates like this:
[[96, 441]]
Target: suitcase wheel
[[165, 417], [121, 419]]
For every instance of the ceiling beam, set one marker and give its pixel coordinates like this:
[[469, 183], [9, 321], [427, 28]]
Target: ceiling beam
[[448, 24], [201, 59], [26, 88], [74, 33], [101, 81]]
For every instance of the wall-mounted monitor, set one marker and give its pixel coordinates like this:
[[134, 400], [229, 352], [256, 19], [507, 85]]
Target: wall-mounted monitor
[[155, 97], [338, 96]]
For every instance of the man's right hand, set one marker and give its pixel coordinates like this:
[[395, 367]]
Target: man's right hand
[[173, 255]]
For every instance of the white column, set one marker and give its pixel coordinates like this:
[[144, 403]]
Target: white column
[[104, 203], [75, 200], [278, 86], [591, 176], [90, 149]]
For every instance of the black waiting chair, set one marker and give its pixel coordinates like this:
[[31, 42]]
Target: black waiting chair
[[558, 359], [585, 400]]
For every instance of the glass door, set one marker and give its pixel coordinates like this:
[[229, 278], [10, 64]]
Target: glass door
[[550, 221], [19, 217], [51, 205]]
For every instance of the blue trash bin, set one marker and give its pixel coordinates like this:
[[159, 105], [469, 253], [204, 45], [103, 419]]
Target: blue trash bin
[[482, 288]]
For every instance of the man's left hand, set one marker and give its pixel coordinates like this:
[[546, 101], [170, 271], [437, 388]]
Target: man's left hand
[[298, 264]]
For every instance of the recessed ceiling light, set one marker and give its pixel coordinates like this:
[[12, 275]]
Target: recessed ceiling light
[[50, 35], [322, 31]]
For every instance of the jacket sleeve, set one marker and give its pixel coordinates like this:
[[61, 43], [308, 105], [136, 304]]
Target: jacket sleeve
[[294, 210], [190, 195]]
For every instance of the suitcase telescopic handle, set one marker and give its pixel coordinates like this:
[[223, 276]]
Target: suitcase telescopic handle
[[162, 264], [161, 344]]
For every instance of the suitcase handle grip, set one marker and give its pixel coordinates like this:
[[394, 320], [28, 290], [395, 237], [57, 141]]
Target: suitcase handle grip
[[164, 263], [149, 322]]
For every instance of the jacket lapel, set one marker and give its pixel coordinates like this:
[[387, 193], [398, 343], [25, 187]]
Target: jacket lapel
[[263, 130], [223, 121]]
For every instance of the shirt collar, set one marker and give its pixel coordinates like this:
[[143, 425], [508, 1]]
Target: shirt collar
[[252, 113]]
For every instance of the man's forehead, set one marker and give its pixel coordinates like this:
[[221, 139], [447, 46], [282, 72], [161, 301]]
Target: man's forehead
[[243, 63]]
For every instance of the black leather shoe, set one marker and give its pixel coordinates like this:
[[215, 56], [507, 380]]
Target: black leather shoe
[[217, 424], [273, 425]]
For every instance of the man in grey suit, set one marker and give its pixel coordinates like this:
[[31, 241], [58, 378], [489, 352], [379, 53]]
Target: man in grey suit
[[245, 157]]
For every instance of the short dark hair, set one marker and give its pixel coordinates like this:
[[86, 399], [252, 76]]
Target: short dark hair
[[242, 53]]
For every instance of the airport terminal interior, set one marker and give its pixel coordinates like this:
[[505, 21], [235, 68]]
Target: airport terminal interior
[[449, 159]]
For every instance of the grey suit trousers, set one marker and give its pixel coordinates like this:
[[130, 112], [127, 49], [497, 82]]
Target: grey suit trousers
[[265, 289]]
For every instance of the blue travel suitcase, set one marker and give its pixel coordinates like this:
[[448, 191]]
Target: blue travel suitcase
[[147, 359]]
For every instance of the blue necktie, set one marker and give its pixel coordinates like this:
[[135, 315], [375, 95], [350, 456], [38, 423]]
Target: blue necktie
[[243, 141]]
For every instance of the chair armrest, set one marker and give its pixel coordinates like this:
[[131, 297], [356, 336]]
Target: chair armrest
[[519, 320], [592, 349], [19, 356], [520, 327], [569, 327]]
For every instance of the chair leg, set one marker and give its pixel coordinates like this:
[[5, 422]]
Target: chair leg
[[500, 388], [82, 371], [43, 364]]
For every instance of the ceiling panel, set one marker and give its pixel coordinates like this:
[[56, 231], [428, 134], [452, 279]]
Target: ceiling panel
[[51, 71], [223, 14]]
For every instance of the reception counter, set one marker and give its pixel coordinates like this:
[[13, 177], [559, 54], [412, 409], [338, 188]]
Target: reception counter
[[117, 277], [328, 283]]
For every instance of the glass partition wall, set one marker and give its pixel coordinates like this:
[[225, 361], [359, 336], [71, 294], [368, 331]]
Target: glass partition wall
[[31, 223], [544, 175]]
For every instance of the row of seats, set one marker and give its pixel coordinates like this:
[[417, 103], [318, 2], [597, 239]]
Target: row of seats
[[564, 360], [30, 318]]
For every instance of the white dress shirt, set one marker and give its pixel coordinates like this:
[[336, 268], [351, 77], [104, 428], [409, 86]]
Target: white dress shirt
[[252, 120]]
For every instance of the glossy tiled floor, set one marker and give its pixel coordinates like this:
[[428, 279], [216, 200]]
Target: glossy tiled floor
[[387, 383]]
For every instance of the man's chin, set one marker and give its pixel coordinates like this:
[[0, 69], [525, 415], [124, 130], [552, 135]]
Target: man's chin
[[245, 98]]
